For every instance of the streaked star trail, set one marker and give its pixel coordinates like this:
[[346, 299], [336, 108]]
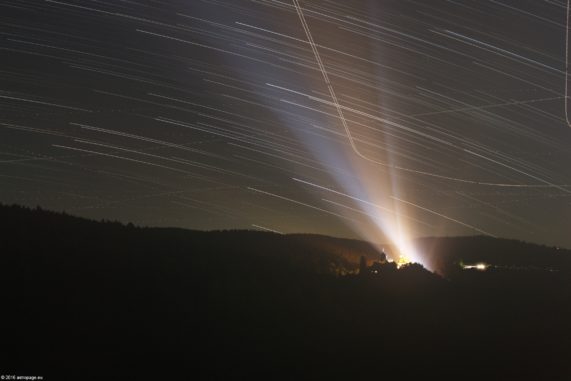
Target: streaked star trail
[[382, 120]]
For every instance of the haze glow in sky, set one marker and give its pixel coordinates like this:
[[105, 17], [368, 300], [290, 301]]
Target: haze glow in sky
[[401, 118]]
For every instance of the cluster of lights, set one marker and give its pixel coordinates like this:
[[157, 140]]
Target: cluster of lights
[[477, 266], [402, 261]]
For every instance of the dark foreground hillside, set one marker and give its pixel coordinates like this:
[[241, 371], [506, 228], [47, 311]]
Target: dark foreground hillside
[[93, 300]]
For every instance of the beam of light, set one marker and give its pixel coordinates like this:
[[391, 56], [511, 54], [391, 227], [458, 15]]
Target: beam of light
[[393, 229], [386, 220], [368, 203], [427, 136], [406, 103], [349, 135]]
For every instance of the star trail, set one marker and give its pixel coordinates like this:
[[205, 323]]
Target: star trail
[[381, 120]]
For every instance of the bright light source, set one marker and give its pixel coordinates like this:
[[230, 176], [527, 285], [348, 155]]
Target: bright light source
[[402, 261], [477, 266]]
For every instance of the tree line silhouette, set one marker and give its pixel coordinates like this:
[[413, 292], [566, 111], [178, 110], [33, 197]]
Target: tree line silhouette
[[102, 300]]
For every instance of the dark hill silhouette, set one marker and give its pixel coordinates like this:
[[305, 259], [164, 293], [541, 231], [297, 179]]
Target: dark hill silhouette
[[444, 254], [102, 300]]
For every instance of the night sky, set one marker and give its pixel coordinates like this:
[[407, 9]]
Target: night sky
[[401, 119]]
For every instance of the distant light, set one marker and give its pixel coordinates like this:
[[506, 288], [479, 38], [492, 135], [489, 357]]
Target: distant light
[[477, 266]]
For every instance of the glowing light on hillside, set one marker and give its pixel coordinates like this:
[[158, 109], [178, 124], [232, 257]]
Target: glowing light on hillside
[[402, 261], [369, 184], [477, 266]]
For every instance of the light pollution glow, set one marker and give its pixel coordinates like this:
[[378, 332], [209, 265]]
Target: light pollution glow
[[371, 195], [369, 119]]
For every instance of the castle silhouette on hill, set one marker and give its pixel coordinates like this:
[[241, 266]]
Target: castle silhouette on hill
[[378, 267]]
